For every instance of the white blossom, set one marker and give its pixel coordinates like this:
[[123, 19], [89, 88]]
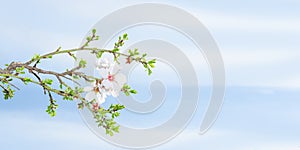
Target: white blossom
[[113, 80], [94, 92]]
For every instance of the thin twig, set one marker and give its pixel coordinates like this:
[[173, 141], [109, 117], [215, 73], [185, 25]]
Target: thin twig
[[3, 88], [39, 79], [13, 86]]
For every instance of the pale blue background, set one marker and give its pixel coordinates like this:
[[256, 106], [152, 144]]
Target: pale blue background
[[259, 41]]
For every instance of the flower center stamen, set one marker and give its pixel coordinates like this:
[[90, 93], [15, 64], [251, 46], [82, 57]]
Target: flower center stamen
[[110, 78], [96, 89]]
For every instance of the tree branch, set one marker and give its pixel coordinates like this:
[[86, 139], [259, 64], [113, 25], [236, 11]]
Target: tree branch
[[103, 117]]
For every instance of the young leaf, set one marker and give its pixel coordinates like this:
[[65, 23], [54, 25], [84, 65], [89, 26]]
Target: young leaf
[[99, 54], [82, 63], [47, 81]]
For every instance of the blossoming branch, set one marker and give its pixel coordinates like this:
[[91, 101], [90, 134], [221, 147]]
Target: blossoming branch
[[110, 82]]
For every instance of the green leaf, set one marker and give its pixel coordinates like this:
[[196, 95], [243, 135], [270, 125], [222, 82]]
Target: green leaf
[[153, 61], [94, 31], [145, 66], [47, 81], [152, 65], [127, 90], [125, 36], [26, 80], [75, 77], [80, 106], [82, 63], [51, 109], [116, 129], [36, 57], [20, 70], [149, 71], [126, 93], [70, 94], [116, 114], [115, 50], [136, 52], [79, 90], [133, 91], [99, 54], [109, 132], [8, 93], [88, 38]]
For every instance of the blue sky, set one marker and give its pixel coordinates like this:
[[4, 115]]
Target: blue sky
[[259, 42]]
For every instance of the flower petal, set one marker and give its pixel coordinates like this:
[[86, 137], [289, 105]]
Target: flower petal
[[108, 91], [120, 79], [103, 72], [114, 93], [116, 87], [114, 69], [88, 88], [90, 96], [101, 98], [103, 63], [107, 84]]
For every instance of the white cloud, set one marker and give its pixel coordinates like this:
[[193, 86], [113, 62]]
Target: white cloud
[[85, 10], [223, 21], [245, 57], [38, 38], [20, 127], [31, 131], [228, 140], [237, 59], [291, 82]]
